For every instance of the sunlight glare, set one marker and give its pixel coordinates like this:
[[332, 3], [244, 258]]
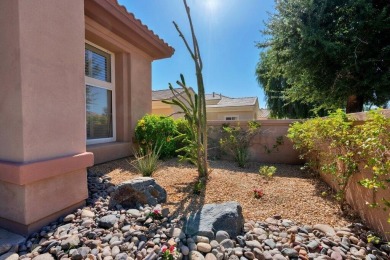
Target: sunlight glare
[[211, 5]]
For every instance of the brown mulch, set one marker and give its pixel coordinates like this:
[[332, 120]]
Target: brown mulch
[[292, 193]]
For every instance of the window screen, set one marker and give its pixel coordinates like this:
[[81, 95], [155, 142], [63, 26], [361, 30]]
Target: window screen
[[99, 113], [97, 64]]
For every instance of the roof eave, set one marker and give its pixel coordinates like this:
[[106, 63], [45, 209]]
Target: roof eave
[[115, 17]]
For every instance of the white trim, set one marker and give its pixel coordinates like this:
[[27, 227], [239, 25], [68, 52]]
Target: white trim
[[106, 85], [236, 116]]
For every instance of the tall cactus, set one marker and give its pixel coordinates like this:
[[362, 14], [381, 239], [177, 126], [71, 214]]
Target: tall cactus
[[199, 117]]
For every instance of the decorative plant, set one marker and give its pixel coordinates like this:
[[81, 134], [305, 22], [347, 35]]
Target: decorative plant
[[196, 112], [236, 141], [154, 130], [199, 186], [168, 253], [258, 193], [333, 145], [146, 161], [267, 171], [156, 214]]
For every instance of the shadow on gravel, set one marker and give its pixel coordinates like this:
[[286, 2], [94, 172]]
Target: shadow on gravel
[[191, 202]]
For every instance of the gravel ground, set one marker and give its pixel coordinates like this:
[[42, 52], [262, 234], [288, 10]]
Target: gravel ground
[[291, 193]]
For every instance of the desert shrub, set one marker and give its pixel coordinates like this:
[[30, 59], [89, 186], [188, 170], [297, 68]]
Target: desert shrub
[[235, 141], [183, 131], [157, 131], [333, 145], [267, 171], [146, 161]]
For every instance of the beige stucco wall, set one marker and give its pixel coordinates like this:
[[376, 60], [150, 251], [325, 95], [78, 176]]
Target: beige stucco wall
[[133, 90], [42, 106], [40, 79]]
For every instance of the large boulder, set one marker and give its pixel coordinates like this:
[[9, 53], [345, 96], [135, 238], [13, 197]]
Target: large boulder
[[138, 192], [215, 217]]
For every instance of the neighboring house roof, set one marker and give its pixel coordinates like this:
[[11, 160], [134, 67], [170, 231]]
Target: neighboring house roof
[[264, 113], [213, 96], [128, 27], [235, 102], [165, 94]]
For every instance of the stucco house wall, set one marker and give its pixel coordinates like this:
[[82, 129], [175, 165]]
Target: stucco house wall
[[43, 156]]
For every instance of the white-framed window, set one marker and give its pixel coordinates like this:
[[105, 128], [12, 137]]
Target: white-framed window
[[100, 94], [231, 118]]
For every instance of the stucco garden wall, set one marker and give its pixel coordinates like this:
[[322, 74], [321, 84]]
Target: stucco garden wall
[[357, 196], [270, 131]]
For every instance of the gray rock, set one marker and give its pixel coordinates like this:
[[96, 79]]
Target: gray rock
[[227, 243], [9, 240], [177, 232], [46, 256], [184, 250], [226, 216], [214, 243], [221, 235], [138, 192], [108, 221], [253, 244], [195, 255], [70, 242], [328, 230], [134, 213], [290, 252], [121, 256], [270, 243], [313, 245], [371, 257]]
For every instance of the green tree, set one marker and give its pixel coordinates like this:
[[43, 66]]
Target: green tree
[[331, 54], [275, 86]]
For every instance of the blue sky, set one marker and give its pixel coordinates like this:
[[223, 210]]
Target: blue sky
[[227, 32]]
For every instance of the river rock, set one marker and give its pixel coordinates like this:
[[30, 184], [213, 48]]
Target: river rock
[[108, 221], [328, 230]]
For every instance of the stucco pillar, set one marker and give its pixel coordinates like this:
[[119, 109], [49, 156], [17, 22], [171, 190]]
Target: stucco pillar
[[43, 155]]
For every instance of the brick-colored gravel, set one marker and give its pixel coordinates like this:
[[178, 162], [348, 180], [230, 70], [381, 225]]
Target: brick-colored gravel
[[291, 193]]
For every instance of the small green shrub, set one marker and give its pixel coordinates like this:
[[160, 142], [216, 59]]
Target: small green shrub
[[146, 161], [267, 171], [236, 140], [157, 131], [183, 132], [199, 187], [333, 145]]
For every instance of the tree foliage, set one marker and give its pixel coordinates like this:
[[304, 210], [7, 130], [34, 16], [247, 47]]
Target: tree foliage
[[327, 54]]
